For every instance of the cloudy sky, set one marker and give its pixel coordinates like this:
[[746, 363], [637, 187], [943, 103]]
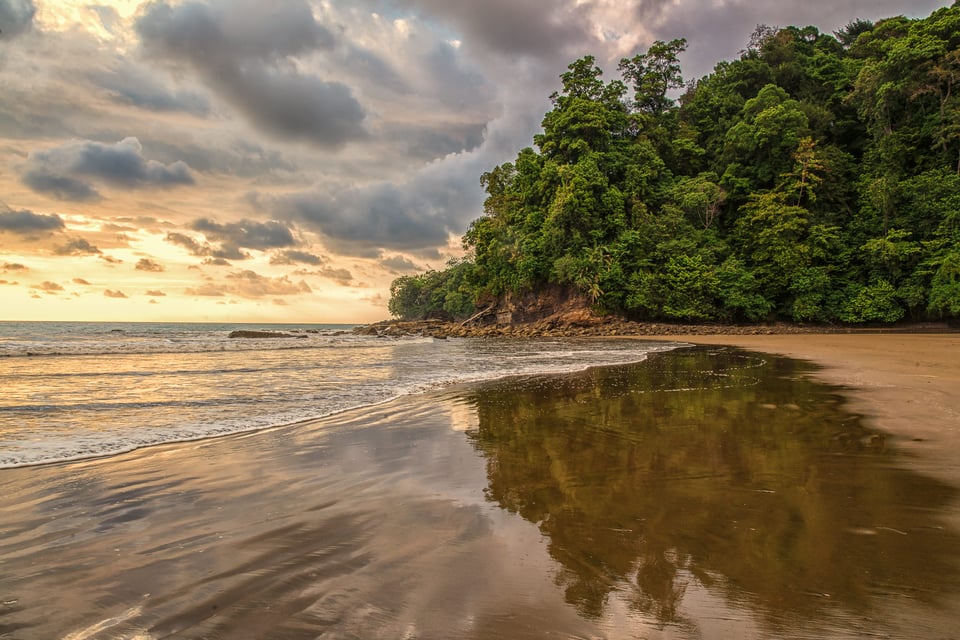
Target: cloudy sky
[[284, 160]]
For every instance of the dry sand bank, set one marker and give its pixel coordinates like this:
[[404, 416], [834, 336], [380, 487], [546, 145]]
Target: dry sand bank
[[907, 385]]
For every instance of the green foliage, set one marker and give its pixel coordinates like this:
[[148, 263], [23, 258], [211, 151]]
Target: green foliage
[[814, 179], [443, 295], [876, 302], [945, 288]]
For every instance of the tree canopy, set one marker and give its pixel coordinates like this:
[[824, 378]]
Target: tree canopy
[[814, 179]]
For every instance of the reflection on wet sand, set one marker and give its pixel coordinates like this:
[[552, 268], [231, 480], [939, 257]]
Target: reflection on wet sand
[[701, 494], [738, 476]]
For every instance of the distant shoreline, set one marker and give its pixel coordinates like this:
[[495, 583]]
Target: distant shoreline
[[583, 323]]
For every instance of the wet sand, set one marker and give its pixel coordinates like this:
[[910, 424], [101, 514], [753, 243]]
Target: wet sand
[[705, 493], [907, 385]]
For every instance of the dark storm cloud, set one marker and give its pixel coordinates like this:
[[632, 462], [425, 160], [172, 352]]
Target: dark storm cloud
[[237, 157], [60, 187], [455, 84], [296, 106], [243, 50], [429, 142], [539, 28], [26, 222], [248, 234], [398, 264], [416, 216], [358, 61], [132, 84], [385, 216], [16, 16], [292, 256], [63, 171], [223, 31]]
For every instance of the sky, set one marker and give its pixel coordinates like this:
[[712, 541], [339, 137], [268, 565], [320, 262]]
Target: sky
[[284, 161]]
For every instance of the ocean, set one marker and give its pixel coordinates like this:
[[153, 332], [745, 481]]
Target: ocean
[[385, 488], [76, 390]]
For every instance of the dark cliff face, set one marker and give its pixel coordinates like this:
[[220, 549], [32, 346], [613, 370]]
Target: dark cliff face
[[558, 303]]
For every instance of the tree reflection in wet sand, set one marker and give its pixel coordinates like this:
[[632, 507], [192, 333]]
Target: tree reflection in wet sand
[[720, 469]]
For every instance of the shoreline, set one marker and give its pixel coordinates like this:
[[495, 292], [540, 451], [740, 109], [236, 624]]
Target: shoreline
[[904, 384], [903, 379], [365, 523]]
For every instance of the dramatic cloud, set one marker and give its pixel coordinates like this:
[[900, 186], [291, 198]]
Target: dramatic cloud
[[65, 171], [26, 222], [155, 293], [398, 264], [417, 216], [204, 249], [192, 246], [243, 50], [541, 28], [134, 84], [223, 242], [16, 16], [248, 234], [111, 293], [80, 281], [146, 264], [77, 247], [13, 266]]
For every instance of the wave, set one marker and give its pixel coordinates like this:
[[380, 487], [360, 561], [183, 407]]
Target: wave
[[78, 409], [34, 349]]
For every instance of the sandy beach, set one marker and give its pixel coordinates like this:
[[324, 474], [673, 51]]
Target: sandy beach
[[704, 493], [907, 385]]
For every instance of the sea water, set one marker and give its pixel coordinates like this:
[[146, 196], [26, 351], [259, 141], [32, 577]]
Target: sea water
[[74, 390]]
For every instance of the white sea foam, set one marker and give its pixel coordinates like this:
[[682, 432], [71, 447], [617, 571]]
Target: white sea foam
[[110, 390]]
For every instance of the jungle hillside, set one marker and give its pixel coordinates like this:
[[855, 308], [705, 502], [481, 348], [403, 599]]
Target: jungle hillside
[[816, 179]]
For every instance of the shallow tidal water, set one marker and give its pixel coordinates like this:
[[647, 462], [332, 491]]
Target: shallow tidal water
[[703, 493]]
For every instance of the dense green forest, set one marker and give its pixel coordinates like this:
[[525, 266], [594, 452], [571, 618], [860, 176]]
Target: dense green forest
[[814, 179]]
